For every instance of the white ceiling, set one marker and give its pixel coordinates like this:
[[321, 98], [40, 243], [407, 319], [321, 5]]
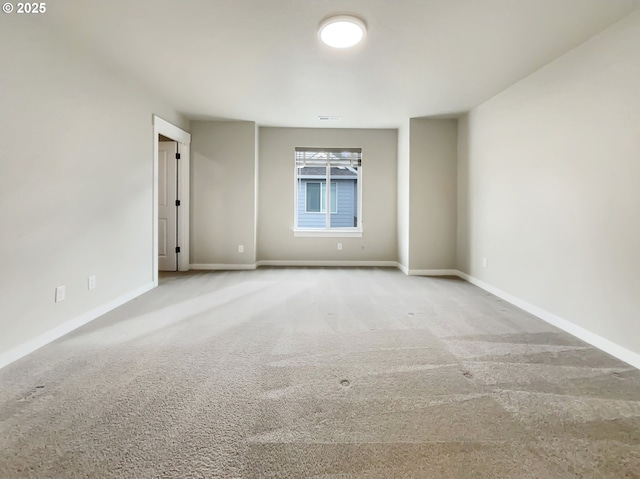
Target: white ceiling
[[261, 60]]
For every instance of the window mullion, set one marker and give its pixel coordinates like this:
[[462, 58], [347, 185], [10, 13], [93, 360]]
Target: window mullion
[[327, 195]]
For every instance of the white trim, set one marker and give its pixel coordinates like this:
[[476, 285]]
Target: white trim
[[154, 208], [595, 340], [184, 169], [171, 131], [428, 272], [431, 272], [301, 232], [36, 343], [245, 267], [222, 267], [620, 352], [163, 127], [373, 264], [330, 233]]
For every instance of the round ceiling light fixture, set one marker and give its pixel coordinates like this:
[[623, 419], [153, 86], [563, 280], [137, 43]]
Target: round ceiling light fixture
[[342, 31]]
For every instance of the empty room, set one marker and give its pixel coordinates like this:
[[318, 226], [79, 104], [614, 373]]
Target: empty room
[[330, 239]]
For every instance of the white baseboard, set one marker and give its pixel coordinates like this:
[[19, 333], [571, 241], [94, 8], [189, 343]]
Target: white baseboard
[[293, 263], [427, 272], [222, 267], [30, 346], [629, 357], [370, 264], [432, 272], [587, 336], [327, 263]]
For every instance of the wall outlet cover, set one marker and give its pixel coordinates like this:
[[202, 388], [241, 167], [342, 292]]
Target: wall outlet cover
[[61, 293]]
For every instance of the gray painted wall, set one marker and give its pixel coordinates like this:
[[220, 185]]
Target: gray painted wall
[[277, 182], [223, 192], [432, 214], [549, 187], [404, 161], [75, 179]]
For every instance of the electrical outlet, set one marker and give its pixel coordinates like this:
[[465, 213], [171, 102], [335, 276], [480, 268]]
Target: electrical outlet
[[61, 292], [484, 262], [240, 248], [339, 246], [91, 282]]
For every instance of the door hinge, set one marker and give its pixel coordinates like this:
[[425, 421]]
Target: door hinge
[[177, 202], [177, 249], [177, 156]]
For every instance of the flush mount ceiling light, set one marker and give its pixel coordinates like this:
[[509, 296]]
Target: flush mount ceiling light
[[342, 31]]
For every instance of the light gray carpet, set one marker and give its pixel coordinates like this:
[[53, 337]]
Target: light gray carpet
[[319, 373]]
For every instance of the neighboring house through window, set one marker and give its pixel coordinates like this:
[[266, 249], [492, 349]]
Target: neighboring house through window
[[342, 169], [316, 197]]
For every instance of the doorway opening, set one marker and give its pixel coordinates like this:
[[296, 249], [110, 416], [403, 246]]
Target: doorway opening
[[171, 166], [168, 204]]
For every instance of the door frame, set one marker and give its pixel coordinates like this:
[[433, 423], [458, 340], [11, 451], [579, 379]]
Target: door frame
[[183, 139]]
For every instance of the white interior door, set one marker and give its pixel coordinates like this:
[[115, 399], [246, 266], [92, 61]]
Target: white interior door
[[167, 208]]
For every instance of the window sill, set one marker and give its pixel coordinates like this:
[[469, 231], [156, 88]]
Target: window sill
[[336, 233]]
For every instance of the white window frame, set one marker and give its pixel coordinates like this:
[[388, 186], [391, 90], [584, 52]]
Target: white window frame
[[345, 232]]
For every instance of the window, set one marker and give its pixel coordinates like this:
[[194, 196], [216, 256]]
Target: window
[[316, 197], [342, 169]]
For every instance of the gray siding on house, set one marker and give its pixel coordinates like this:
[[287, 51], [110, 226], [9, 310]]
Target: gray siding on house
[[347, 207]]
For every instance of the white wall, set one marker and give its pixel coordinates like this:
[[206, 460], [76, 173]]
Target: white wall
[[432, 210], [276, 203], [223, 193], [76, 152], [552, 166]]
